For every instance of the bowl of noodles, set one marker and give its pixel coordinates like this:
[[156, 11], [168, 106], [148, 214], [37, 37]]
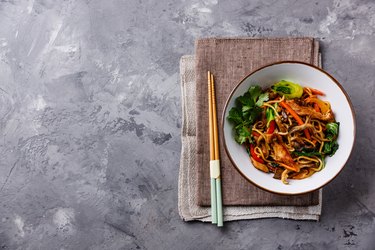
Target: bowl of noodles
[[289, 127]]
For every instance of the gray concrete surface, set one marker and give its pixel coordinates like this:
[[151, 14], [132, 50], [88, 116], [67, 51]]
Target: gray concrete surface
[[90, 121]]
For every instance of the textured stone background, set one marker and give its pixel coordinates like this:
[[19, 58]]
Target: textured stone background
[[90, 122]]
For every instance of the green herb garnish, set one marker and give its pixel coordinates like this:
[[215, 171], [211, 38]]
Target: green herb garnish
[[246, 112]]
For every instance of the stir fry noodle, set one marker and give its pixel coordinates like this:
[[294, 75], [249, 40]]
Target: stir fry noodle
[[287, 129]]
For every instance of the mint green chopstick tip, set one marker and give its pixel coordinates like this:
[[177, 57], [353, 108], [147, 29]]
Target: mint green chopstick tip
[[213, 201], [220, 219]]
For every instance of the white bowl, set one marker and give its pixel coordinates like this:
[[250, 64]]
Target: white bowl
[[305, 75]]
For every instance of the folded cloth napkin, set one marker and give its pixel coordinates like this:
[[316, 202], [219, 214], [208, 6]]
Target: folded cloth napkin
[[230, 59], [188, 175]]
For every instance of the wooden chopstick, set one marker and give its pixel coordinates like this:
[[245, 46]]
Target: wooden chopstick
[[214, 118], [212, 151], [210, 119], [216, 196]]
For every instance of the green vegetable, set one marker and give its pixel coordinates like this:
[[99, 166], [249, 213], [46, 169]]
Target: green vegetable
[[235, 115], [261, 99], [246, 112], [288, 89], [253, 115], [308, 153], [270, 116], [245, 100], [274, 164], [330, 148], [332, 131], [255, 92], [242, 134]]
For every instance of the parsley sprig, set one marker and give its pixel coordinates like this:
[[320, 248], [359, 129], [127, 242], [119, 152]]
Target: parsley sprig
[[246, 111]]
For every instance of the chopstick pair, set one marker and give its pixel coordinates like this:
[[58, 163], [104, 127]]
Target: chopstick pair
[[216, 199]]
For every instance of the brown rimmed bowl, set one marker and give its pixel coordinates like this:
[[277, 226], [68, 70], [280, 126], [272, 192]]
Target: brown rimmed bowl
[[305, 75]]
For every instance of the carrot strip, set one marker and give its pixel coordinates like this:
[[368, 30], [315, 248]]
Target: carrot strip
[[292, 112], [295, 116]]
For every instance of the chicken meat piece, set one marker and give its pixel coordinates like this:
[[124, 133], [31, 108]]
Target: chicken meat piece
[[309, 111], [283, 157], [259, 165], [280, 125]]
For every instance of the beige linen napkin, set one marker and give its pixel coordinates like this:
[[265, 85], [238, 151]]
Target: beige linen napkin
[[188, 178]]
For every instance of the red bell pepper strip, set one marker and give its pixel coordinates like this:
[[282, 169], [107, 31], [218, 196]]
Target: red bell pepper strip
[[255, 134], [254, 155], [272, 127]]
